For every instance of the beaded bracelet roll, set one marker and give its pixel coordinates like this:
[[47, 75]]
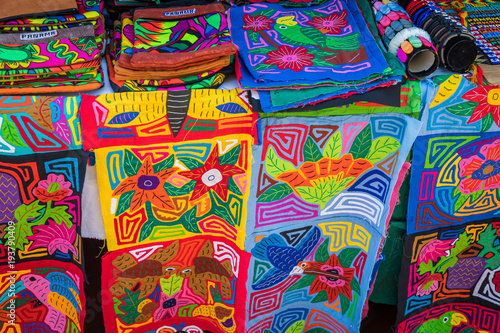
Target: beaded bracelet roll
[[456, 46], [403, 39]]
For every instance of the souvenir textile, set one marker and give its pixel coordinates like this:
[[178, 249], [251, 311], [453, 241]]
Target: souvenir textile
[[412, 45], [315, 216], [41, 296], [327, 44], [172, 38], [175, 116], [174, 190], [409, 96], [454, 176], [12, 9], [42, 171], [455, 45], [450, 278], [448, 274], [89, 11], [51, 61], [193, 285]]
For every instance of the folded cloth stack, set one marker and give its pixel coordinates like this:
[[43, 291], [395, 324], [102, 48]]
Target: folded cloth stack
[[324, 46], [59, 60], [44, 15], [170, 48]]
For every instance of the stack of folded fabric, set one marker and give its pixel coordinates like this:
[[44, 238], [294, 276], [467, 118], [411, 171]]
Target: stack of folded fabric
[[327, 46], [40, 53], [170, 48]]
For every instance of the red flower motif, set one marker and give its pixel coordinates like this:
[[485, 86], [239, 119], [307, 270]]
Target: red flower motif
[[430, 284], [481, 170], [54, 188], [257, 23], [286, 57], [331, 24], [488, 98], [330, 277], [496, 281], [434, 249], [212, 176]]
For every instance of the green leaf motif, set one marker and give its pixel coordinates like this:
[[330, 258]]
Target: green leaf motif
[[171, 285], [253, 36], [486, 239], [355, 286], [346, 257], [290, 41], [322, 62], [486, 122], [275, 193], [296, 327], [344, 303], [27, 212], [190, 163], [189, 221], [175, 191], [333, 147], [323, 192], [129, 305], [425, 267], [314, 34], [262, 66], [311, 151], [313, 14], [275, 165], [320, 53], [266, 13], [124, 202], [231, 157], [461, 244], [322, 296], [381, 148], [21, 231], [305, 281], [11, 134], [60, 215], [463, 109], [165, 164], [443, 266], [322, 254], [262, 50], [362, 143], [231, 185], [131, 163]]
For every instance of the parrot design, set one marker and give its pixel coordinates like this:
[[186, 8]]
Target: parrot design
[[443, 324], [59, 294], [292, 33], [283, 257]]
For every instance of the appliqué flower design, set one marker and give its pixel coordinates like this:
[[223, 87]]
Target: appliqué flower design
[[148, 186], [212, 176], [55, 188], [488, 98], [330, 24], [434, 249], [286, 57], [481, 171], [496, 281], [257, 23]]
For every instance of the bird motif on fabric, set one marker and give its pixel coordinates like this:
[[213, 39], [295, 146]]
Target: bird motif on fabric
[[283, 257], [330, 277], [443, 324], [59, 294], [291, 32]]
